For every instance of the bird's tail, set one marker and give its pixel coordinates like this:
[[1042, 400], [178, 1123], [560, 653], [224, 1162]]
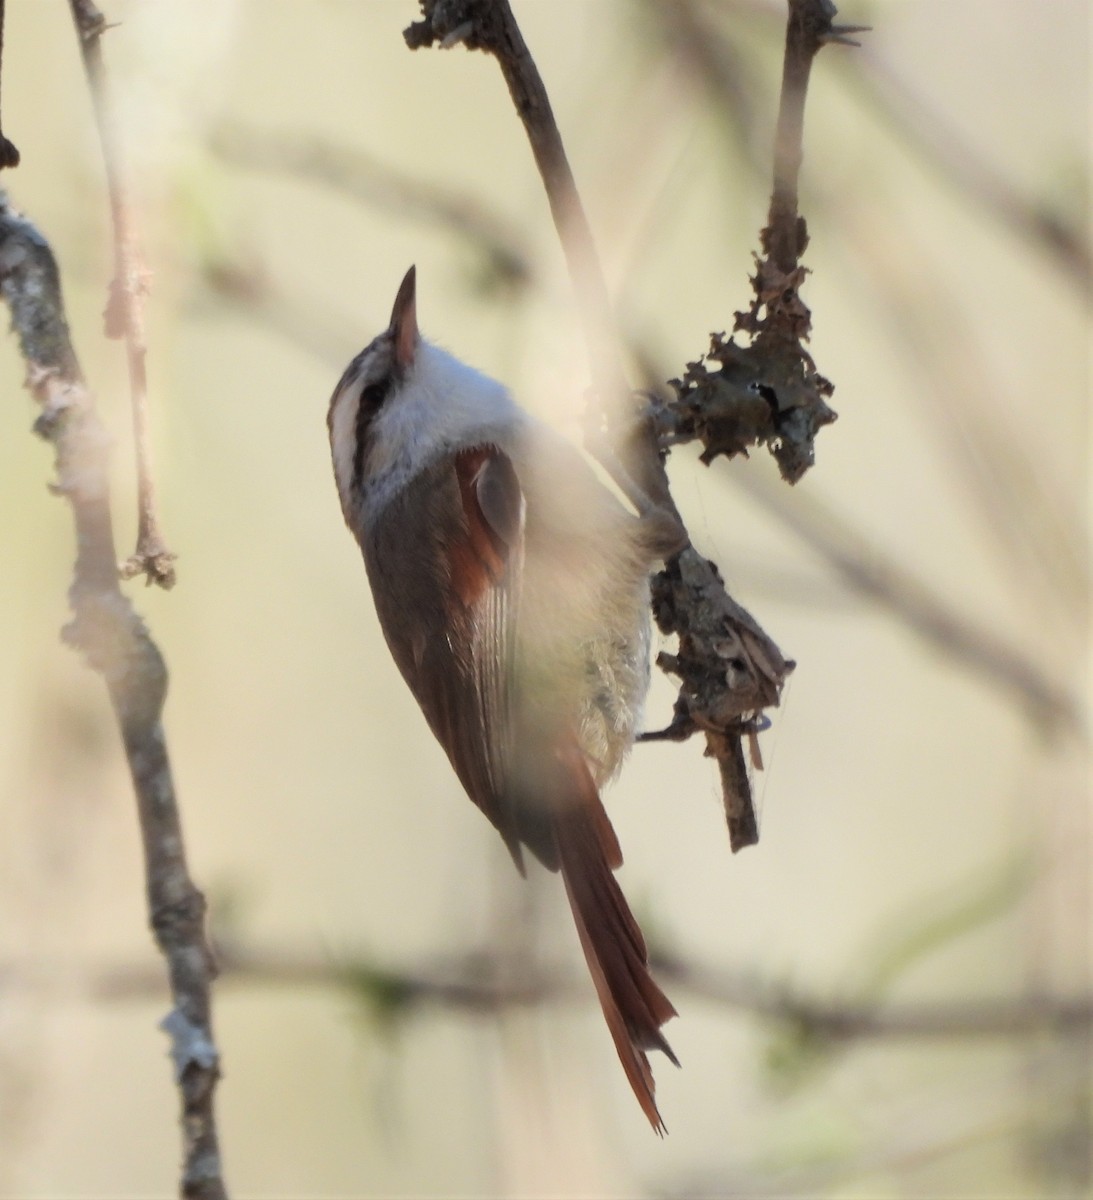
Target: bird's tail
[[633, 1004]]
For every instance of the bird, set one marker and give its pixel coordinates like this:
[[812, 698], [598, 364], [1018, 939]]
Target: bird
[[512, 589]]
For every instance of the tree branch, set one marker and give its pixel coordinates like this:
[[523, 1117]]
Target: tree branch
[[929, 133], [767, 392], [486, 986], [619, 436], [116, 643], [124, 315], [9, 153], [726, 662], [1038, 531]]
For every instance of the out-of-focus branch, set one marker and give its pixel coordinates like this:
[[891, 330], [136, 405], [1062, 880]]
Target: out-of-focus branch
[[850, 1020], [1039, 524], [311, 324], [959, 163], [481, 985], [362, 177], [116, 643], [124, 315], [867, 570]]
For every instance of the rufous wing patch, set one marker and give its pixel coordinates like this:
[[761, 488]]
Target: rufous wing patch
[[493, 510]]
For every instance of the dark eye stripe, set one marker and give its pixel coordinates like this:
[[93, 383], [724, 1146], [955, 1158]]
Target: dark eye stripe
[[372, 397]]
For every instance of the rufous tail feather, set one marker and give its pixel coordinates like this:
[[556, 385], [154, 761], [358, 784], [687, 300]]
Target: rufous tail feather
[[634, 1006]]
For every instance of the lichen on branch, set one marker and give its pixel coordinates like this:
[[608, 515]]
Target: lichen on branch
[[767, 390]]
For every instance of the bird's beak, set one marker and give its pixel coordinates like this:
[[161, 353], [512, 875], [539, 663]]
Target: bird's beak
[[404, 320]]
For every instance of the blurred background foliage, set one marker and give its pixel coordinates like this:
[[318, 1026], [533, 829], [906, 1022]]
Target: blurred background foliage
[[925, 809]]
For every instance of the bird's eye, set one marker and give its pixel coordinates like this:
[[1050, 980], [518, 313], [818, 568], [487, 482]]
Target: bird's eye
[[374, 395]]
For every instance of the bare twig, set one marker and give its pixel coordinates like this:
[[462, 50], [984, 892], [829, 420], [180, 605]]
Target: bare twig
[[629, 453], [116, 643], [9, 154], [124, 315], [767, 392], [927, 131], [480, 985]]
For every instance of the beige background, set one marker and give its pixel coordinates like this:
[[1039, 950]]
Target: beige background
[[905, 793]]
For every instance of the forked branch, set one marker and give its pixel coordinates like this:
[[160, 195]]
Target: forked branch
[[729, 668]]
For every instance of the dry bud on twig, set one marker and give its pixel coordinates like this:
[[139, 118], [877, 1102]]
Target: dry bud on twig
[[769, 391], [729, 671]]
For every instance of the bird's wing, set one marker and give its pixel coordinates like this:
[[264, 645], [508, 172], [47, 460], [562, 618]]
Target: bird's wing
[[445, 561]]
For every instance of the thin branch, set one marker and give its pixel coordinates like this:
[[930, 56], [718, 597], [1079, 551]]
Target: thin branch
[[116, 643], [9, 153], [847, 1020], [487, 985], [769, 391], [124, 315], [729, 671], [928, 132], [867, 570], [629, 451], [1040, 533]]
